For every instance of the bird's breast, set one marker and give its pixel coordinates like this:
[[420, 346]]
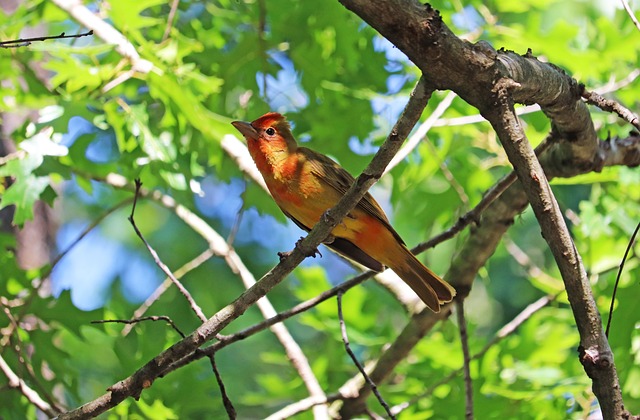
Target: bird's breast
[[299, 192]]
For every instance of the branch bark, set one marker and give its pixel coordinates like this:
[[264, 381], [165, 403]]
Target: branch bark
[[595, 353], [492, 81]]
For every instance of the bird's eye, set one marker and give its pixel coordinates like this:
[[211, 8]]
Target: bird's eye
[[270, 131]]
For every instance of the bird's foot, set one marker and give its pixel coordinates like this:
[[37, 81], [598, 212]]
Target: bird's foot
[[312, 253], [327, 216]]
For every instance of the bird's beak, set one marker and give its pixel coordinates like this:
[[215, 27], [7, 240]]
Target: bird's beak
[[246, 129]]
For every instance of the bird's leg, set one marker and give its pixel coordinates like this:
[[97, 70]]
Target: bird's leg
[[313, 253]]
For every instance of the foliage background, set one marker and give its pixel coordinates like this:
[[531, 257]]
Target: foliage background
[[342, 86]]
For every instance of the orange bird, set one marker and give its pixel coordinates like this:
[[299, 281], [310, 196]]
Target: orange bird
[[305, 184]]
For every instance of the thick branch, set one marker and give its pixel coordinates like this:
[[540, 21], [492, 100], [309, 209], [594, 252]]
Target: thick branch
[[474, 254], [596, 355], [472, 72]]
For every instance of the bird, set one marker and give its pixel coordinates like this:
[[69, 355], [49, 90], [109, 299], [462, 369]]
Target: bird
[[305, 184]]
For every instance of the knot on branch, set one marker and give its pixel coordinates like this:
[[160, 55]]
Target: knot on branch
[[462, 291], [505, 84], [123, 389], [593, 359], [368, 179]]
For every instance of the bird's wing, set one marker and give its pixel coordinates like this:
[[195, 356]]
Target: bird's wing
[[335, 176]]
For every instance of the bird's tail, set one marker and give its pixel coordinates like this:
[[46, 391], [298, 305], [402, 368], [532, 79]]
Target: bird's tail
[[428, 286]]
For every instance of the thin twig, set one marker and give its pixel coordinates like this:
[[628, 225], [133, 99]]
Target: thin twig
[[170, 19], [14, 381], [610, 105], [85, 232], [23, 42], [345, 339], [421, 131], [236, 227], [21, 352], [262, 44], [142, 319], [219, 246], [38, 283], [301, 406], [111, 36], [630, 13], [164, 286], [504, 332], [226, 401], [473, 216], [464, 340], [533, 271], [446, 172], [615, 85], [159, 263], [18, 154], [372, 414], [615, 287]]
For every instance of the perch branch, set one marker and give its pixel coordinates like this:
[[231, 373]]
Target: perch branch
[[144, 377]]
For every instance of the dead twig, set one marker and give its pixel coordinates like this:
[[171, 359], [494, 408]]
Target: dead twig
[[142, 319], [228, 405], [347, 346], [158, 261], [23, 42], [615, 287], [464, 340]]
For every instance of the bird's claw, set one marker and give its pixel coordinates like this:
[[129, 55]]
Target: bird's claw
[[327, 217], [312, 253]]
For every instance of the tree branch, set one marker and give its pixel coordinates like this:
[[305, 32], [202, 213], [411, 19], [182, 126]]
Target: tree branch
[[31, 395], [23, 42], [595, 353], [347, 346], [466, 366], [108, 34], [219, 246], [144, 377], [472, 71]]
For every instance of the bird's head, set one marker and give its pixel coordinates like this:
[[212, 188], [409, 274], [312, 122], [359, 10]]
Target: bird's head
[[271, 129]]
